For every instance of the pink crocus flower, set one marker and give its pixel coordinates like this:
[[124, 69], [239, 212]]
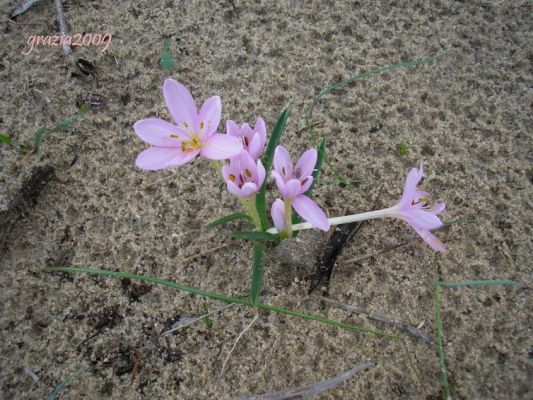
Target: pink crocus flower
[[413, 208], [192, 134], [243, 175], [253, 139], [277, 211], [294, 182]]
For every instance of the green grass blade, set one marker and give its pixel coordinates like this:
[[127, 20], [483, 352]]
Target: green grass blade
[[490, 282], [62, 385], [6, 139], [69, 121], [229, 218], [374, 71], [167, 61], [260, 200], [255, 235], [220, 297], [438, 329], [38, 138], [257, 272]]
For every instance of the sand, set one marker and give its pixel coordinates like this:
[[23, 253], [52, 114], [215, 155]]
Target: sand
[[468, 115]]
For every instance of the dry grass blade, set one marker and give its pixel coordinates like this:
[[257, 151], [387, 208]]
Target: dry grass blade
[[62, 25], [224, 364], [313, 389], [183, 322], [22, 8], [385, 319]]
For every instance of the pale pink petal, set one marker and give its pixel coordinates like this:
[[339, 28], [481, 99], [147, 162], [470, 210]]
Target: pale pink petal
[[424, 219], [309, 211], [221, 147], [261, 173], [277, 211], [227, 170], [248, 189], [409, 190], [282, 162], [430, 239], [158, 132], [232, 128], [293, 188], [306, 184], [260, 127], [437, 208], [255, 147], [306, 164], [279, 182], [155, 158], [180, 103], [209, 117], [233, 188]]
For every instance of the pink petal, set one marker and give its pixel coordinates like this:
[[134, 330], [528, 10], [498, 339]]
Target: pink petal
[[430, 239], [309, 211], [306, 164], [255, 147], [437, 208], [277, 211], [293, 188], [282, 162], [261, 173], [248, 189], [279, 182], [307, 184], [423, 219], [221, 147], [209, 117], [233, 188], [157, 132], [260, 127], [180, 103], [155, 158], [232, 128], [409, 190]]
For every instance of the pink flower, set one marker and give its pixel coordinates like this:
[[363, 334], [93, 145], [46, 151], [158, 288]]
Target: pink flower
[[413, 208], [277, 211], [243, 175], [293, 183], [192, 134], [253, 139]]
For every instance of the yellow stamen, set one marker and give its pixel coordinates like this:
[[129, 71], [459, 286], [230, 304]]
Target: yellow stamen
[[232, 178], [248, 173], [174, 136], [194, 143]]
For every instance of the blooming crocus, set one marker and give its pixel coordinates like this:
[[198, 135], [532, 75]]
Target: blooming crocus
[[294, 182], [191, 134], [253, 139], [413, 208], [243, 175]]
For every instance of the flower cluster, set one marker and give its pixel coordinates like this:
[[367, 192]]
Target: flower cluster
[[193, 134]]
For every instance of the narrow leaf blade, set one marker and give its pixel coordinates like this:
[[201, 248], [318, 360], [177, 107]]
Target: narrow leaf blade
[[6, 139], [229, 218], [483, 282], [255, 235]]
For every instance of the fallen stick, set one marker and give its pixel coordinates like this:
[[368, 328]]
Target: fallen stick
[[62, 25]]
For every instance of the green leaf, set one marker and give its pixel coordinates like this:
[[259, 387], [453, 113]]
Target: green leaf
[[206, 320], [6, 139], [260, 200], [255, 235], [38, 138], [493, 282], [166, 61], [403, 149], [257, 272], [229, 218], [220, 297], [66, 123], [440, 348]]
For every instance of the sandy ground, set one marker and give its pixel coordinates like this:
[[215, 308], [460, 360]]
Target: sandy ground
[[468, 116]]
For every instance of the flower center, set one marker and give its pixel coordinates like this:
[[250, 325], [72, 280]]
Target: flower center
[[194, 143]]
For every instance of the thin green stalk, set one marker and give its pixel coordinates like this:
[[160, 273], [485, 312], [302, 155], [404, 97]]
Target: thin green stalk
[[438, 329], [249, 204], [220, 297], [482, 282], [287, 233]]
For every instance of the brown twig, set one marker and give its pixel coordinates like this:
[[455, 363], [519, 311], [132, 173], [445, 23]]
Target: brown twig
[[62, 25]]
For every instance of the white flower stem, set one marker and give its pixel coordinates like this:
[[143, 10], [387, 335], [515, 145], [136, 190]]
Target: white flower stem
[[343, 220]]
